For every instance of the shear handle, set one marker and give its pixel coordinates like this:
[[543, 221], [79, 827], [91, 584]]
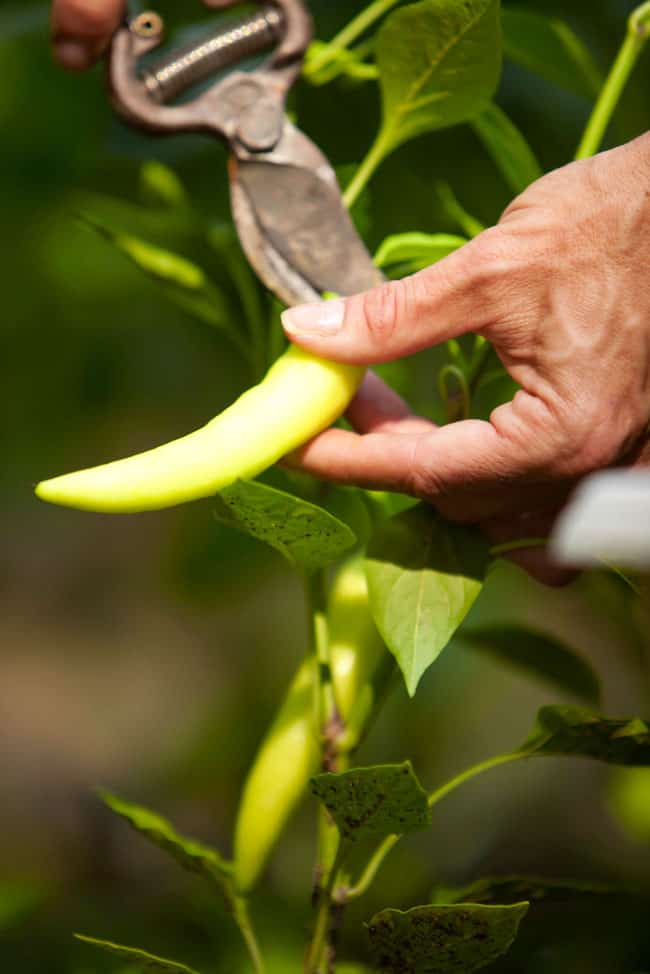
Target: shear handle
[[242, 107]]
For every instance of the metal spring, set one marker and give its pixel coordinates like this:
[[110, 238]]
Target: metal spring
[[195, 63]]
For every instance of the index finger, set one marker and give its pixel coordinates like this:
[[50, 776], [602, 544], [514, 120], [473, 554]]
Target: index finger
[[81, 29]]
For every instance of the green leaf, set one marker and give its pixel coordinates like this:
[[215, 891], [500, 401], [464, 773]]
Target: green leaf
[[347, 62], [160, 186], [140, 958], [424, 575], [443, 939], [508, 148], [382, 800], [514, 889], [192, 855], [415, 251], [574, 732], [540, 655], [548, 47], [308, 536], [439, 64], [182, 282]]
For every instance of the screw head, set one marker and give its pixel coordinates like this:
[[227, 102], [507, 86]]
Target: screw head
[[148, 25]]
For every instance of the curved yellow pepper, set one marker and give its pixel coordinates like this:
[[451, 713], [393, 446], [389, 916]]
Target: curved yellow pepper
[[290, 754], [300, 397]]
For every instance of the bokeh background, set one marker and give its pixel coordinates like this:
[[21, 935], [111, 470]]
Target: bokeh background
[[147, 653]]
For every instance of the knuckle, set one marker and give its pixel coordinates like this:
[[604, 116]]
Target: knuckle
[[379, 312], [421, 480]]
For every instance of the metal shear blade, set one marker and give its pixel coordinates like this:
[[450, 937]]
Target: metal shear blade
[[287, 205]]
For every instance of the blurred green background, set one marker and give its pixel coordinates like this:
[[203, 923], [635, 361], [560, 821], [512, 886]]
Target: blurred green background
[[147, 653]]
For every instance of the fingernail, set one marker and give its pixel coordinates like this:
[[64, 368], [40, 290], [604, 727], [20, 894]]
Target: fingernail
[[323, 318], [73, 55]]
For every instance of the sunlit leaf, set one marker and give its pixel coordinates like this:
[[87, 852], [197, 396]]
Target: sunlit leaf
[[539, 655], [382, 800], [508, 148], [424, 575], [574, 732], [549, 47], [439, 64], [415, 251], [139, 958], [306, 535], [443, 939], [192, 855]]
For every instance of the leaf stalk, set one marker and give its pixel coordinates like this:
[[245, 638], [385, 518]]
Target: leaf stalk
[[638, 32]]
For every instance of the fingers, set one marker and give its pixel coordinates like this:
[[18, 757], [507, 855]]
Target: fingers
[[378, 409], [81, 29], [403, 317], [377, 461], [431, 465]]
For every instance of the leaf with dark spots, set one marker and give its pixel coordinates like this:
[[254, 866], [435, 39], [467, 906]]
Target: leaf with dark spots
[[381, 800], [574, 732], [308, 536], [443, 939]]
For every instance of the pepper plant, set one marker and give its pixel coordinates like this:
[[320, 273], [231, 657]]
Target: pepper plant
[[387, 581]]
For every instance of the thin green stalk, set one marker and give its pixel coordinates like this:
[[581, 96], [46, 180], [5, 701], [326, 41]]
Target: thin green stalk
[[638, 32], [350, 33], [509, 547], [239, 906], [329, 722], [378, 152], [327, 709], [456, 211], [379, 856], [473, 772], [480, 358], [459, 405]]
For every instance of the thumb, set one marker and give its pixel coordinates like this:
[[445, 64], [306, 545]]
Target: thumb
[[401, 317]]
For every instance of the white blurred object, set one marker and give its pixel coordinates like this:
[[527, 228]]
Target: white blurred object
[[607, 520]]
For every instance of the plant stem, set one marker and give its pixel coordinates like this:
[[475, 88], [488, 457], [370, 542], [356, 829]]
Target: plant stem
[[456, 211], [239, 907], [376, 861], [474, 772], [326, 708], [322, 924], [376, 155], [638, 32], [349, 34], [519, 545]]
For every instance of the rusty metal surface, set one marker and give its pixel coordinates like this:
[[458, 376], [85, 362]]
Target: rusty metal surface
[[286, 201]]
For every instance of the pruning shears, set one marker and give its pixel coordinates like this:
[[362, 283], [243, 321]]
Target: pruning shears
[[286, 202]]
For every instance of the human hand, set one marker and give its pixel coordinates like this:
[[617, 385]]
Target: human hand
[[562, 290], [81, 29]]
